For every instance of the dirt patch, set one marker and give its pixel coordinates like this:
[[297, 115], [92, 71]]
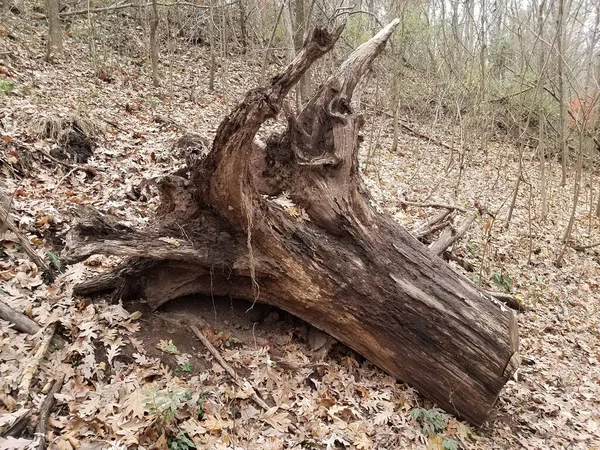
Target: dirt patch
[[233, 323]]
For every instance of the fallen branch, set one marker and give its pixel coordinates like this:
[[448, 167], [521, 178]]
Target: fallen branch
[[510, 300], [213, 351], [433, 205], [20, 320], [82, 12], [425, 137], [24, 324], [88, 169], [448, 237], [295, 367], [7, 221], [580, 248], [19, 426], [433, 224], [449, 256], [32, 365], [45, 410]]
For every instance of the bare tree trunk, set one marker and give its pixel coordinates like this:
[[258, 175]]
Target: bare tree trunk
[[213, 57], [299, 22], [576, 190], [92, 38], [54, 47], [562, 89], [542, 120], [154, 45], [243, 31], [270, 44], [543, 176], [292, 224]]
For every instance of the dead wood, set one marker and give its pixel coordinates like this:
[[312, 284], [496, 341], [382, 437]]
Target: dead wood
[[449, 236], [433, 224], [291, 223], [7, 221], [19, 320], [425, 137], [33, 364], [45, 410], [450, 256], [86, 168], [433, 205], [19, 426], [24, 324], [510, 300], [235, 378], [580, 248]]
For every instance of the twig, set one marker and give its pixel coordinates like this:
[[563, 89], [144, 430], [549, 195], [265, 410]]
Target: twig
[[6, 220], [81, 12], [67, 175], [580, 248], [510, 300], [45, 410], [294, 367], [432, 205], [433, 224], [88, 169], [213, 351], [425, 137], [23, 323], [449, 256], [19, 426], [448, 237], [32, 365]]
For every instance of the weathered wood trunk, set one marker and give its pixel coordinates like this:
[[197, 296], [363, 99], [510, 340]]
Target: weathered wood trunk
[[291, 224]]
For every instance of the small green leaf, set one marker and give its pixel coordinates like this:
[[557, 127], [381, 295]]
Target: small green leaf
[[449, 444], [54, 259]]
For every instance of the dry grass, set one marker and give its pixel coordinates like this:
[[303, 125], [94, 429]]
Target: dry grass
[[58, 128]]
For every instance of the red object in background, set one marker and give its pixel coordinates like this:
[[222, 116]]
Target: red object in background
[[584, 108]]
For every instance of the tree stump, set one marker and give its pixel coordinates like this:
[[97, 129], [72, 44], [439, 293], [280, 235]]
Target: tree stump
[[290, 223]]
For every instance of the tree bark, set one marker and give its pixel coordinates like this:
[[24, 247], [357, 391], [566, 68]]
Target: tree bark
[[54, 46], [290, 223], [154, 45]]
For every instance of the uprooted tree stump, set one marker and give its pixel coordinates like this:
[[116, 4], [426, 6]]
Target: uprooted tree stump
[[290, 223]]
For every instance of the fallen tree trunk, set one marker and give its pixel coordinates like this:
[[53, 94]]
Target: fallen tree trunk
[[290, 223]]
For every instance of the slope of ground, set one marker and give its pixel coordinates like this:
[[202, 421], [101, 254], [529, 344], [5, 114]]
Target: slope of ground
[[144, 380]]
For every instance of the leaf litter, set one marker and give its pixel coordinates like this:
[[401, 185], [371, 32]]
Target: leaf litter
[[122, 392]]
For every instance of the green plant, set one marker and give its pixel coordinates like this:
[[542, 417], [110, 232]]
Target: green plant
[[184, 368], [431, 420], [449, 444], [6, 87], [502, 280], [181, 442], [165, 403], [54, 259], [200, 410]]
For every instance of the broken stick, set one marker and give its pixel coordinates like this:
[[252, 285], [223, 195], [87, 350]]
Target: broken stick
[[433, 224], [20, 320], [6, 220], [45, 410], [23, 323], [433, 205], [508, 299], [213, 351], [448, 237], [32, 365]]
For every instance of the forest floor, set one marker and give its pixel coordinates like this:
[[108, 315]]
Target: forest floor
[[138, 377]]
